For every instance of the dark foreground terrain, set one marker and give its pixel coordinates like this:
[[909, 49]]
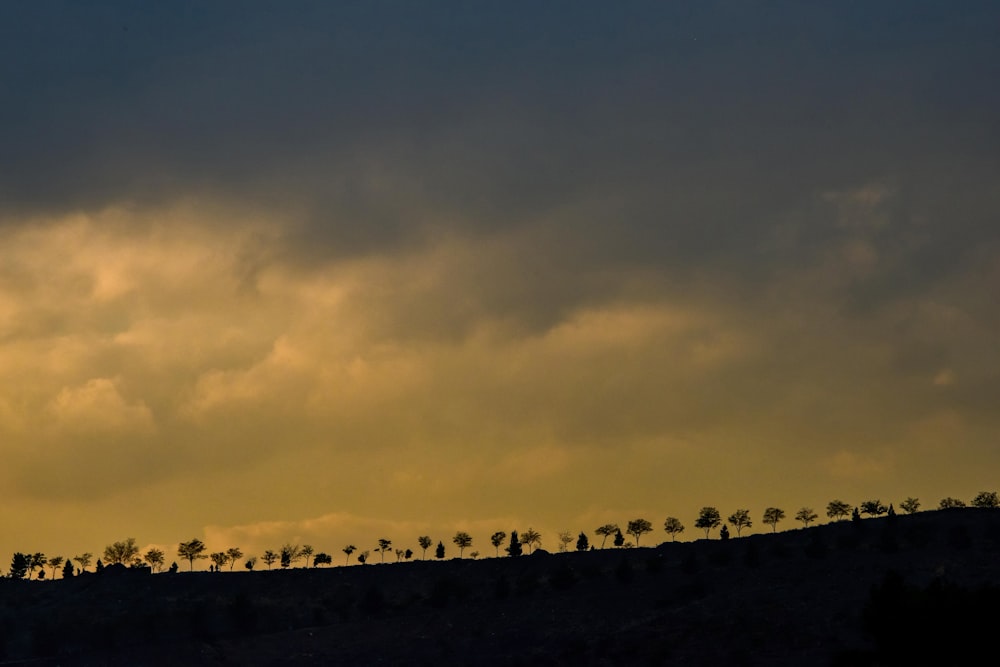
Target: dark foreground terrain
[[913, 590]]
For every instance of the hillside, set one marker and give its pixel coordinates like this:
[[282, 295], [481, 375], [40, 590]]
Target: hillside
[[793, 598]]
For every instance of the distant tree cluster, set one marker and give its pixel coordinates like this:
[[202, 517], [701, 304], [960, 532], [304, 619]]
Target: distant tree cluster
[[27, 565]]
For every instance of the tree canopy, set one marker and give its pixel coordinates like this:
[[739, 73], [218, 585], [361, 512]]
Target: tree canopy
[[708, 518]]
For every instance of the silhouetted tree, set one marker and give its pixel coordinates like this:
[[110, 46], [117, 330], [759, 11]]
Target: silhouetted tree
[[425, 543], [233, 554], [363, 556], [270, 558], [473, 555], [910, 505], [408, 554], [514, 549], [582, 543], [68, 569], [192, 551], [891, 512], [724, 533], [772, 515], [155, 558], [986, 499], [806, 516], [637, 527], [322, 558], [399, 555], [837, 510], [439, 552], [532, 539], [83, 560], [383, 546], [289, 554], [19, 565], [219, 558], [740, 520], [251, 562], [307, 552], [674, 527], [349, 549], [708, 519], [855, 516], [462, 540], [173, 568], [121, 552], [950, 503], [619, 540], [873, 508], [98, 566], [55, 562], [606, 531], [36, 562], [496, 539]]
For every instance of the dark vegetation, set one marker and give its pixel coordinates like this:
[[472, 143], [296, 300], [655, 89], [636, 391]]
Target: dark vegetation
[[912, 589]]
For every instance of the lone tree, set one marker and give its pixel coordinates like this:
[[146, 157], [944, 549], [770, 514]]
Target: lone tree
[[514, 549], [582, 543], [55, 562], [233, 554], [462, 540], [307, 552], [674, 527], [772, 515], [496, 539], [708, 519], [122, 553], [349, 549], [37, 561], [724, 533], [383, 546], [986, 499], [193, 550], [636, 528], [154, 558], [606, 531], [619, 539], [83, 560], [950, 503], [270, 558], [219, 559], [740, 519], [873, 508], [289, 554], [425, 543], [806, 516], [910, 505], [19, 565], [838, 509], [532, 539], [439, 551]]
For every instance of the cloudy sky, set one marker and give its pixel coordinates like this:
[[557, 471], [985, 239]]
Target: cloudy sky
[[329, 272]]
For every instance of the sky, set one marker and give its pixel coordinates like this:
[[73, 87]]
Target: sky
[[322, 273]]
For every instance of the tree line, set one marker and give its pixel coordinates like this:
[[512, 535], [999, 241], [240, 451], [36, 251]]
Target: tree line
[[126, 553]]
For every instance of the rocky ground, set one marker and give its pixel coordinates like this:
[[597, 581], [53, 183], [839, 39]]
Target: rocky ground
[[885, 591]]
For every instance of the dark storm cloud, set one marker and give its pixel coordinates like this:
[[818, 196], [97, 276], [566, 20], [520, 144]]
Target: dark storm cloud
[[683, 134]]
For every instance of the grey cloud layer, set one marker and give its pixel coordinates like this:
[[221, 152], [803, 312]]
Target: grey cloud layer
[[688, 129]]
